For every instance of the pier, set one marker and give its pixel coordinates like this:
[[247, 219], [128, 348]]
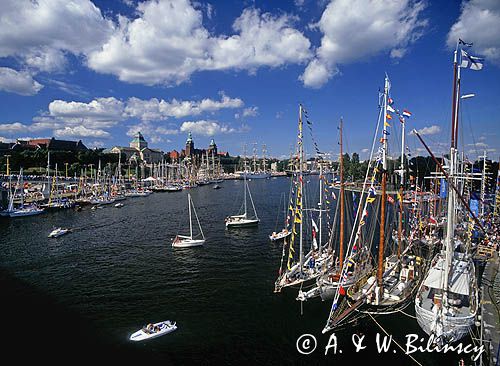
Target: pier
[[490, 305]]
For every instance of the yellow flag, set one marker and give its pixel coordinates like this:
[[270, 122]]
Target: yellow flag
[[370, 200], [386, 124]]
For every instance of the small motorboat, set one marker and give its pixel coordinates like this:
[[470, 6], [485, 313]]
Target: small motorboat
[[58, 232], [217, 186], [281, 235], [153, 330], [119, 204]]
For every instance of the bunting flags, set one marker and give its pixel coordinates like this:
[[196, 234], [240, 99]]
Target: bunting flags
[[390, 109], [390, 101], [386, 124], [388, 116], [401, 119], [406, 113]]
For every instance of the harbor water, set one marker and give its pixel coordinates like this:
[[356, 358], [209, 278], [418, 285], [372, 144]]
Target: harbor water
[[87, 291]]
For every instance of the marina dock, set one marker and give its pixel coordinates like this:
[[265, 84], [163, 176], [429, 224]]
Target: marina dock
[[490, 304]]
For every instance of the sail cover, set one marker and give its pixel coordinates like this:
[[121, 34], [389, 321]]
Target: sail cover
[[460, 277]]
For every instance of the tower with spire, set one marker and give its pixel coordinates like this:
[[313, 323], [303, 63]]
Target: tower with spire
[[138, 142], [189, 145], [212, 148]]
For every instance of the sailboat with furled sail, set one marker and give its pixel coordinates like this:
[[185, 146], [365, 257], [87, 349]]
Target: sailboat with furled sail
[[395, 278], [397, 275], [307, 265], [447, 300], [328, 282]]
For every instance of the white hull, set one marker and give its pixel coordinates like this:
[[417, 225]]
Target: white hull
[[279, 236], [451, 322], [165, 328], [451, 329], [248, 175], [58, 232], [241, 222], [187, 243], [25, 212]]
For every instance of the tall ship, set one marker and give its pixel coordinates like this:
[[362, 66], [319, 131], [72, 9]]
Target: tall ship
[[447, 300], [255, 170]]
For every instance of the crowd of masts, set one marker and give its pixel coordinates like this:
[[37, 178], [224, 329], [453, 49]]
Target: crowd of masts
[[425, 245]]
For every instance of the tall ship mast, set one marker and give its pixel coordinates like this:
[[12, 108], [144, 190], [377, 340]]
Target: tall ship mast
[[447, 301]]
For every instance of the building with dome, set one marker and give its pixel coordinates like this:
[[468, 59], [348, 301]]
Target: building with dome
[[138, 150]]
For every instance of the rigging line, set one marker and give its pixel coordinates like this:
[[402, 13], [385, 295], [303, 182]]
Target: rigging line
[[397, 344], [408, 315]]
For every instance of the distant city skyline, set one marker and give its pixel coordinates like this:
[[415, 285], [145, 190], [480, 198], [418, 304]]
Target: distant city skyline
[[238, 72]]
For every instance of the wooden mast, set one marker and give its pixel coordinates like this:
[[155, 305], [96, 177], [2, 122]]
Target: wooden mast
[[380, 267], [341, 195]]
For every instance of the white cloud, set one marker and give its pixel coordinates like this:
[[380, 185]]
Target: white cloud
[[154, 109], [206, 128], [251, 112], [151, 130], [81, 131], [18, 82], [15, 127], [99, 113], [354, 30], [479, 23], [431, 130], [167, 43], [39, 33]]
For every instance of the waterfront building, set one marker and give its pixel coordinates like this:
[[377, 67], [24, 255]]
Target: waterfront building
[[138, 150]]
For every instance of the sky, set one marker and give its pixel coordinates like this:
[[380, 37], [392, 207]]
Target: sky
[[236, 71]]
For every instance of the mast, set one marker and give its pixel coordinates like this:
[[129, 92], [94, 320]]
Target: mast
[[450, 227], [48, 172], [22, 188], [254, 159], [483, 185], [380, 267], [245, 192], [341, 197], [401, 187], [301, 186], [190, 222], [264, 158], [320, 204]]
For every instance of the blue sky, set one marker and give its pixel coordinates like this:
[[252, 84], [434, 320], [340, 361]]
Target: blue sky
[[236, 71]]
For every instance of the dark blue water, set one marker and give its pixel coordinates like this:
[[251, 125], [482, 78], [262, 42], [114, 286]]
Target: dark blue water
[[118, 271]]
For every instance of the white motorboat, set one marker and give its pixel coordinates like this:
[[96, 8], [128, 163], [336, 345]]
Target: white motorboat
[[184, 241], [58, 232], [118, 205], [281, 235], [153, 331]]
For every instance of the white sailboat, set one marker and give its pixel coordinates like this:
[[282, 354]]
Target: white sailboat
[[447, 300], [23, 210], [184, 241], [243, 220]]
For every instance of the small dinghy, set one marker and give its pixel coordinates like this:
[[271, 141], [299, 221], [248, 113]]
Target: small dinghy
[[118, 205], [153, 330], [58, 232]]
